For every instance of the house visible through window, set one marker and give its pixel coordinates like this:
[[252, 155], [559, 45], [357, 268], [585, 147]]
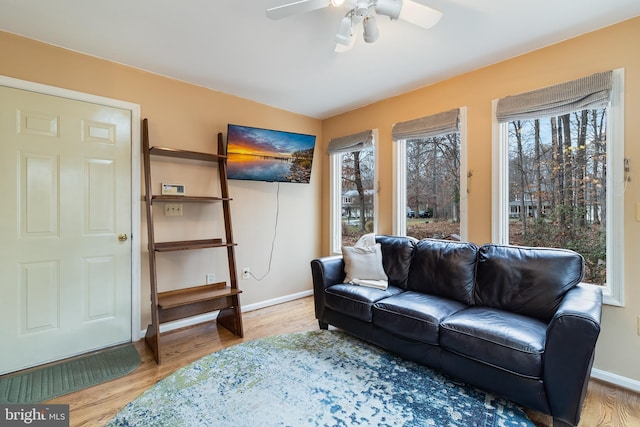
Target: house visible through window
[[353, 195], [558, 176], [558, 185]]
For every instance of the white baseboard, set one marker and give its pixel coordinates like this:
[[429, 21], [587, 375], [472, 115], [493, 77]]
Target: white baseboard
[[275, 301], [207, 317], [615, 379]]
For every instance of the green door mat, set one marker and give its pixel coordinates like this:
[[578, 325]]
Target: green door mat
[[41, 384]]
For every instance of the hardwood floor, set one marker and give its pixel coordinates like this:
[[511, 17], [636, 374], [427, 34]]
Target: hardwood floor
[[605, 405]]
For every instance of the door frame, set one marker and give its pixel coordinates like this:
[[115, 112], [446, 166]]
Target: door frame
[[135, 176]]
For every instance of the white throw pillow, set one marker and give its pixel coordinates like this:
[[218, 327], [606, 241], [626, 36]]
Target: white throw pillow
[[364, 263], [366, 240]]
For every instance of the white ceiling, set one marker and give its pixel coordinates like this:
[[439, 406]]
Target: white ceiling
[[230, 45]]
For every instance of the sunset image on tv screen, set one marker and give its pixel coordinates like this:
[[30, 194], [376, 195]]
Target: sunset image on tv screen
[[269, 155]]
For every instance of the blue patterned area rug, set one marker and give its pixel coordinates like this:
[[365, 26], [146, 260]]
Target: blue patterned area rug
[[320, 378]]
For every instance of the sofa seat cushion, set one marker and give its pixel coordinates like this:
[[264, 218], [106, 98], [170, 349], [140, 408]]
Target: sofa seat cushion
[[505, 340], [414, 315], [356, 301]]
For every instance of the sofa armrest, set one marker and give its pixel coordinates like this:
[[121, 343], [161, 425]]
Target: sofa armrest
[[325, 272], [571, 340]]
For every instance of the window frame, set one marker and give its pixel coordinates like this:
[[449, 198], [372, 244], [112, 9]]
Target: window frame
[[399, 219], [613, 292], [335, 196]]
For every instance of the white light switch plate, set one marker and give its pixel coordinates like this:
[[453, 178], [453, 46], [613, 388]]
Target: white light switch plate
[[173, 209]]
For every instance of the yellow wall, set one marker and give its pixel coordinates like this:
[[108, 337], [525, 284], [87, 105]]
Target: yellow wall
[[609, 48], [185, 116]]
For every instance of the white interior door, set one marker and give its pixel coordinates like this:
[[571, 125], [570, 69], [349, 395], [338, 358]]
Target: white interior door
[[65, 188]]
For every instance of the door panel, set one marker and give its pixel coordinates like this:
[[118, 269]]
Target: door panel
[[99, 196], [39, 302], [65, 174], [38, 195], [100, 287]]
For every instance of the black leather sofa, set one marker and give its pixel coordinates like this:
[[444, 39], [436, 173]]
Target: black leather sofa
[[511, 320]]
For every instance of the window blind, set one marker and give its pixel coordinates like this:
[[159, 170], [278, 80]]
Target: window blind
[[428, 126], [585, 93], [356, 142]]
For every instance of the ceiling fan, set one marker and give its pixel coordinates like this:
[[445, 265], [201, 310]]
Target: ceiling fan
[[362, 11]]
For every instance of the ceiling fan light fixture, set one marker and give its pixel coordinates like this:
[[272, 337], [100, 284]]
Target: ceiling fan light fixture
[[362, 8], [370, 29], [344, 32], [340, 48], [337, 3], [390, 8]]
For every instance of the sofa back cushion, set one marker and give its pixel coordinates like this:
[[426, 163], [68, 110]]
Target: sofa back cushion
[[397, 253], [529, 281], [444, 268]]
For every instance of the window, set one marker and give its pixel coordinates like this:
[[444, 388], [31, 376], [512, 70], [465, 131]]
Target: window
[[353, 192], [560, 181], [430, 188]]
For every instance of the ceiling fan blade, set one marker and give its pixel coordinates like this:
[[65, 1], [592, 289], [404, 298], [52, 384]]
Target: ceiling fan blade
[[301, 6], [419, 14]]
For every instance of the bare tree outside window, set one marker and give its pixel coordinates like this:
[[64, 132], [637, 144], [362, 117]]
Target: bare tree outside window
[[433, 187], [358, 172], [557, 185]]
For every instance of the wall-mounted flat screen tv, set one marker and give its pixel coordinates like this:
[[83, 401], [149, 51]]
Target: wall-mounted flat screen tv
[[257, 154]]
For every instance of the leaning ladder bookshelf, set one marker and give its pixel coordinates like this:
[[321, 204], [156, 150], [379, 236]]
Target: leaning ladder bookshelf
[[185, 302]]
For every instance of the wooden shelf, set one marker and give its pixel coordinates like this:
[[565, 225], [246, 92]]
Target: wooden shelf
[[187, 296], [188, 302], [187, 199], [184, 154], [186, 245]]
